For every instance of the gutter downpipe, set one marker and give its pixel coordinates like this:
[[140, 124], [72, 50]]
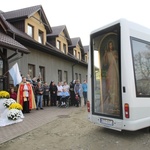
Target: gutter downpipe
[[73, 70]]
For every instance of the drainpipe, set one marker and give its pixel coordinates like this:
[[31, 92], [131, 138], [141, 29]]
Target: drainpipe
[[73, 70]]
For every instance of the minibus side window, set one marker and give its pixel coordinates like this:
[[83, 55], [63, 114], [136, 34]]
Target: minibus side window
[[141, 65]]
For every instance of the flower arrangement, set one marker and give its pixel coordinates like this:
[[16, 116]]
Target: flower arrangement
[[4, 94], [8, 102], [15, 106], [14, 114]]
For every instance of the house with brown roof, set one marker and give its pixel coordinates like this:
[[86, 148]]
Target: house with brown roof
[[59, 38], [86, 53], [8, 43], [76, 49], [47, 48]]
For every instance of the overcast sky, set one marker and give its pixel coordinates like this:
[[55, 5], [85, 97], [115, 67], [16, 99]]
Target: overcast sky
[[81, 17]]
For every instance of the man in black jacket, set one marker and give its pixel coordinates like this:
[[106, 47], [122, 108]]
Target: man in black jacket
[[53, 92]]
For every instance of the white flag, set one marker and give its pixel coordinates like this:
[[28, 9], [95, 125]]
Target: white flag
[[15, 74]]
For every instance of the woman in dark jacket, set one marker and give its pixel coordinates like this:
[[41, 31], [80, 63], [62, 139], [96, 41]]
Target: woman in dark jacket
[[53, 93], [72, 94]]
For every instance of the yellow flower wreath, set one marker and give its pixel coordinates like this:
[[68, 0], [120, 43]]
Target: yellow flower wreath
[[15, 106], [4, 94]]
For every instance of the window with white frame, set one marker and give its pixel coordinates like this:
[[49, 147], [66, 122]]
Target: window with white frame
[[58, 44], [30, 31], [64, 48], [75, 53], [40, 37]]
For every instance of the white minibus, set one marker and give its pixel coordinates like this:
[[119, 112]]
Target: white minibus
[[119, 76]]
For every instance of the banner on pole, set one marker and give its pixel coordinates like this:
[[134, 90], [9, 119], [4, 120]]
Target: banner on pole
[[15, 74]]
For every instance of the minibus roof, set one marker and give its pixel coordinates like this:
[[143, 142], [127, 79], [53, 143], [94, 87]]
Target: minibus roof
[[127, 24]]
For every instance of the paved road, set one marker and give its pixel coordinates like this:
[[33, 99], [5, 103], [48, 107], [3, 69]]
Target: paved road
[[69, 129], [32, 121]]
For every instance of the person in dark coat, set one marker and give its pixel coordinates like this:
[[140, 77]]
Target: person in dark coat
[[72, 94], [53, 93], [46, 94], [78, 90]]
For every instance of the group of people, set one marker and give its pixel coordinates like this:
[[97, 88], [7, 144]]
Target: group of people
[[33, 94]]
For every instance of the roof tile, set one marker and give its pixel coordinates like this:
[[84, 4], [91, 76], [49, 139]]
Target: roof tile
[[25, 12], [9, 42]]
